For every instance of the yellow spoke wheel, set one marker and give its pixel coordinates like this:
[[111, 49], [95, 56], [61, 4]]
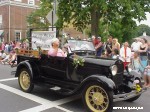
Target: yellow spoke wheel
[[97, 99], [25, 80]]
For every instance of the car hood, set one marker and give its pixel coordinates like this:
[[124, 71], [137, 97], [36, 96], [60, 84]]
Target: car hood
[[100, 61]]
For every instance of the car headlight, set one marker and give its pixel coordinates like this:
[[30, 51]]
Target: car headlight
[[129, 67], [114, 70]]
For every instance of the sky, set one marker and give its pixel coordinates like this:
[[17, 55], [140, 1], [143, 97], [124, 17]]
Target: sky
[[147, 22]]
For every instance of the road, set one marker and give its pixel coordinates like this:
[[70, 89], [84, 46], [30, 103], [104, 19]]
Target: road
[[12, 99]]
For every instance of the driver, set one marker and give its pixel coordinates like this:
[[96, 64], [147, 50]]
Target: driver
[[55, 50]]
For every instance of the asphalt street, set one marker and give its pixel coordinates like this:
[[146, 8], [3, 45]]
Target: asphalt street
[[12, 99]]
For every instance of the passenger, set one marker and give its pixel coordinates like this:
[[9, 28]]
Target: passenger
[[55, 50], [65, 50]]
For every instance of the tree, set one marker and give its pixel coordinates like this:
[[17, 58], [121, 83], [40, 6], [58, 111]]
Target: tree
[[37, 19], [82, 13], [141, 29]]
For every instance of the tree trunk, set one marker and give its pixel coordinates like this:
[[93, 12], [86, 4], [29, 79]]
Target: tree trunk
[[95, 16]]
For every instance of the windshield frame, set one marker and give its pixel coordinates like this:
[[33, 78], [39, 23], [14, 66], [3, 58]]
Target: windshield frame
[[73, 50]]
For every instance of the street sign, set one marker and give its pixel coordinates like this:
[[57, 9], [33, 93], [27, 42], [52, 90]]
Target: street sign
[[52, 16]]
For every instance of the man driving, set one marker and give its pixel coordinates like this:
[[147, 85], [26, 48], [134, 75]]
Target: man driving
[[55, 50]]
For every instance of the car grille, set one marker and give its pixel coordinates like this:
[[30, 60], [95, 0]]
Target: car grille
[[118, 78]]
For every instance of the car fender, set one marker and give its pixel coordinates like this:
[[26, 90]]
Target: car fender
[[136, 74], [24, 64], [107, 82]]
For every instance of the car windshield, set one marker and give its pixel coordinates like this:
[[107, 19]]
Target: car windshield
[[76, 45]]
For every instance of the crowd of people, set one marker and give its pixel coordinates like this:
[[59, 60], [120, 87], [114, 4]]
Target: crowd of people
[[137, 54], [8, 52]]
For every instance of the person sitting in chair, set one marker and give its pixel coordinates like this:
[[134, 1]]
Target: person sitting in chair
[[55, 50]]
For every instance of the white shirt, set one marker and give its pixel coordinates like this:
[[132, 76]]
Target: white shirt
[[136, 46], [2, 55], [128, 54]]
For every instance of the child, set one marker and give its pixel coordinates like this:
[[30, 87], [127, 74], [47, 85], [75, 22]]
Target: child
[[115, 54], [136, 63], [6, 59], [147, 76]]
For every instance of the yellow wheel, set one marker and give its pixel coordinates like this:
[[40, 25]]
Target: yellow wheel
[[97, 99], [25, 80]]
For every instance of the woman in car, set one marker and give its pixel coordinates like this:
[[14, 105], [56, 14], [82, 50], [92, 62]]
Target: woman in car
[[55, 50]]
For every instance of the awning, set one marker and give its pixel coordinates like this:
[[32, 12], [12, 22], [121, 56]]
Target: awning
[[1, 32]]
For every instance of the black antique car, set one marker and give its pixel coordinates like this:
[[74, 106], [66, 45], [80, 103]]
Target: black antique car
[[100, 81]]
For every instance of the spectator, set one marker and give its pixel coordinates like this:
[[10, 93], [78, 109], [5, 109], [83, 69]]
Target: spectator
[[147, 76], [125, 54], [148, 52], [6, 47], [115, 54], [135, 46], [6, 59], [143, 52], [136, 62], [13, 59], [3, 46], [115, 44], [2, 55], [109, 46], [99, 47], [95, 41], [10, 48]]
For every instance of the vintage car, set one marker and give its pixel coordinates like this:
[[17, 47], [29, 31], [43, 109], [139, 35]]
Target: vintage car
[[100, 81]]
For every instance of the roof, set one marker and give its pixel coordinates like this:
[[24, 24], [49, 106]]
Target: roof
[[146, 37]]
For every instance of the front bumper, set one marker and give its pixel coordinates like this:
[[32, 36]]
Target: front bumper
[[126, 96]]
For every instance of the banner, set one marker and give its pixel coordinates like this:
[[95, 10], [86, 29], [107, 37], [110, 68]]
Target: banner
[[42, 39]]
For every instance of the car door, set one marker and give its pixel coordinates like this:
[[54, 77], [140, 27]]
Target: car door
[[54, 67]]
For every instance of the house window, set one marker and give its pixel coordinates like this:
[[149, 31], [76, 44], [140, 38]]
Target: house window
[[17, 36], [31, 2]]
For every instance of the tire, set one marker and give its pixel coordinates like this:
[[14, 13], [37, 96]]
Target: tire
[[136, 97], [96, 98], [25, 80]]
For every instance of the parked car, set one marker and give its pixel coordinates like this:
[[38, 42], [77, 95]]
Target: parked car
[[100, 81]]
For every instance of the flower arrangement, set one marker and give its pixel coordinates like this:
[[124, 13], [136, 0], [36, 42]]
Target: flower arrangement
[[137, 86], [78, 61]]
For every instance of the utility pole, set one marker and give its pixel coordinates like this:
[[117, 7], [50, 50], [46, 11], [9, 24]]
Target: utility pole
[[9, 21]]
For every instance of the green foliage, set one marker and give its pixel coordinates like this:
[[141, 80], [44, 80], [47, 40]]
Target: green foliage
[[78, 61], [104, 17], [37, 19], [142, 28], [117, 14]]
